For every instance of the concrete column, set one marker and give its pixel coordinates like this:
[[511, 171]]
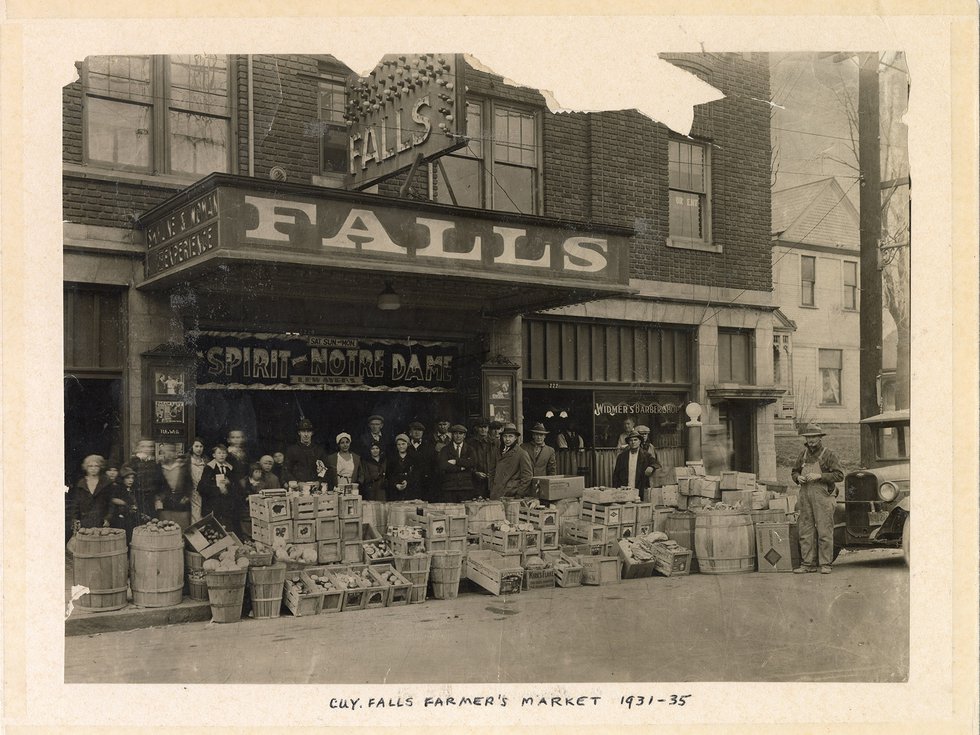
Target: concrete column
[[765, 415], [706, 358]]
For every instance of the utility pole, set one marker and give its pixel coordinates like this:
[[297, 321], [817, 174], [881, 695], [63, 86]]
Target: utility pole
[[870, 206]]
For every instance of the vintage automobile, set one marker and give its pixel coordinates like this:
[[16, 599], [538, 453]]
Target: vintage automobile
[[875, 507]]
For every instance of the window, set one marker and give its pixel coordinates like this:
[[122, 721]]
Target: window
[[498, 168], [830, 374], [734, 356], [93, 329], [850, 299], [688, 173], [158, 114], [333, 128], [808, 280]]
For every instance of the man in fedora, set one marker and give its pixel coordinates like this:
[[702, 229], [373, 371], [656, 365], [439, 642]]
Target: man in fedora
[[486, 456], [634, 467], [305, 461], [457, 463], [817, 471], [543, 460], [512, 476]]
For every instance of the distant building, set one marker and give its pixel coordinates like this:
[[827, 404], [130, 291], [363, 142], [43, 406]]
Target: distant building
[[816, 277]]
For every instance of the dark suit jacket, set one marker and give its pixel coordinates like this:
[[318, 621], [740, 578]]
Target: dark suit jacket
[[457, 477], [397, 470], [546, 462], [620, 477]]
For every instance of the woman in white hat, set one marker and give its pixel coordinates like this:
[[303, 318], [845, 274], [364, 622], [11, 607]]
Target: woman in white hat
[[343, 466]]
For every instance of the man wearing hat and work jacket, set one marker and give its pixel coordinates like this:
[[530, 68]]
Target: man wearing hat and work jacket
[[634, 467], [425, 455], [543, 459], [817, 471], [457, 463], [512, 476], [486, 456], [304, 462]]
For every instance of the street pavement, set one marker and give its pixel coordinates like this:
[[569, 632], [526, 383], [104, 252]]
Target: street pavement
[[851, 625]]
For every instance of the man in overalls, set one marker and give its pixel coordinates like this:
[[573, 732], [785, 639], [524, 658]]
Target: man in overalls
[[817, 470]]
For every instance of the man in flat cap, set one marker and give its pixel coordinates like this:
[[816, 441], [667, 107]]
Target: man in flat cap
[[512, 476], [634, 467], [441, 437], [457, 463], [305, 461], [817, 471], [543, 459], [373, 435], [423, 448]]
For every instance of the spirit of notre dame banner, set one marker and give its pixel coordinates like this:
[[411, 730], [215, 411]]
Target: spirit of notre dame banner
[[312, 362]]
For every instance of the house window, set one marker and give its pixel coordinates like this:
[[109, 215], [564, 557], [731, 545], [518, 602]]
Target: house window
[[158, 114], [688, 168], [808, 280], [498, 168], [850, 300], [830, 362], [333, 127], [734, 356]]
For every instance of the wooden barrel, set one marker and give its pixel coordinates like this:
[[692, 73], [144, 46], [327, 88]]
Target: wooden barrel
[[181, 517], [724, 541], [444, 574], [265, 589], [481, 513], [376, 513], [101, 565], [197, 586], [226, 591], [679, 527], [156, 567]]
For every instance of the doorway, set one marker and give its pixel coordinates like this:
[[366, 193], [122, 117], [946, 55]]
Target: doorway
[[93, 422], [739, 421]]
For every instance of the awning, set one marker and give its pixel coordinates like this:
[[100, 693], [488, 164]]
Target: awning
[[745, 393], [230, 233]]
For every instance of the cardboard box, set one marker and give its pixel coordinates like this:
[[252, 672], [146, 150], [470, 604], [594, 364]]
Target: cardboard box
[[676, 473], [608, 495], [728, 480], [745, 481], [560, 486], [696, 467], [781, 503], [706, 487]]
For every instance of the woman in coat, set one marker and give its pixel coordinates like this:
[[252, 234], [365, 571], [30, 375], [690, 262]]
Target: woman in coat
[[402, 472], [343, 466], [374, 479], [89, 499], [174, 501]]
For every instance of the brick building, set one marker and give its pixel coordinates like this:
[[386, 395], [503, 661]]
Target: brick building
[[221, 269]]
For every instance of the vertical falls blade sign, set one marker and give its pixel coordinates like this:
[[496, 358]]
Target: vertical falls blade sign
[[410, 105]]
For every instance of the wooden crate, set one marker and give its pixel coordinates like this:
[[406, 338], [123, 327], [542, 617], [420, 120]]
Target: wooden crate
[[501, 541], [585, 532], [268, 509], [328, 528], [436, 544], [684, 486], [670, 495], [457, 527], [531, 541], [629, 513], [573, 548], [349, 506], [493, 572], [557, 487], [535, 579], [327, 505], [433, 526], [672, 562], [333, 600], [642, 529], [275, 533], [637, 569], [777, 546], [456, 544], [606, 495], [644, 512], [352, 552], [738, 498], [329, 551], [406, 547], [542, 518], [304, 531], [549, 539], [606, 515], [600, 570], [300, 604], [350, 529], [398, 593], [302, 507], [383, 553]]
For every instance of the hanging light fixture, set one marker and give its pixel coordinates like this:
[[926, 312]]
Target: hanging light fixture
[[388, 300]]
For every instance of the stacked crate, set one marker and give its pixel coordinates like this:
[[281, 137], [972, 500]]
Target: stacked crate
[[607, 523], [329, 523], [453, 516], [544, 520]]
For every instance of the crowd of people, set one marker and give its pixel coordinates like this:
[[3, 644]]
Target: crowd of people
[[448, 464]]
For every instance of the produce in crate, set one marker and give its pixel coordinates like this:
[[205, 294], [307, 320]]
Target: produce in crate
[[157, 526], [409, 533], [507, 526], [295, 580], [378, 550], [323, 583], [296, 553], [228, 560], [354, 580]]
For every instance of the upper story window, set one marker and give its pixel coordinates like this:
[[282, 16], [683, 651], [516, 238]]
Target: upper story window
[[499, 168], [158, 114], [808, 280], [333, 127], [689, 181], [734, 356], [850, 276]]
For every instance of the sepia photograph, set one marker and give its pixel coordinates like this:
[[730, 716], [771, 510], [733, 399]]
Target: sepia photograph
[[415, 382]]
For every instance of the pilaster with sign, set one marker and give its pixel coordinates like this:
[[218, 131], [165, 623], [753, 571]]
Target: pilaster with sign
[[169, 382], [500, 390]]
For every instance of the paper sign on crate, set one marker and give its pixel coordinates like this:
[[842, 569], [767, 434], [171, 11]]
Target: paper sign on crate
[[493, 572]]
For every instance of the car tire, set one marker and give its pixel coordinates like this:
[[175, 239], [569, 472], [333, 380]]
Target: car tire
[[905, 540], [839, 539]]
